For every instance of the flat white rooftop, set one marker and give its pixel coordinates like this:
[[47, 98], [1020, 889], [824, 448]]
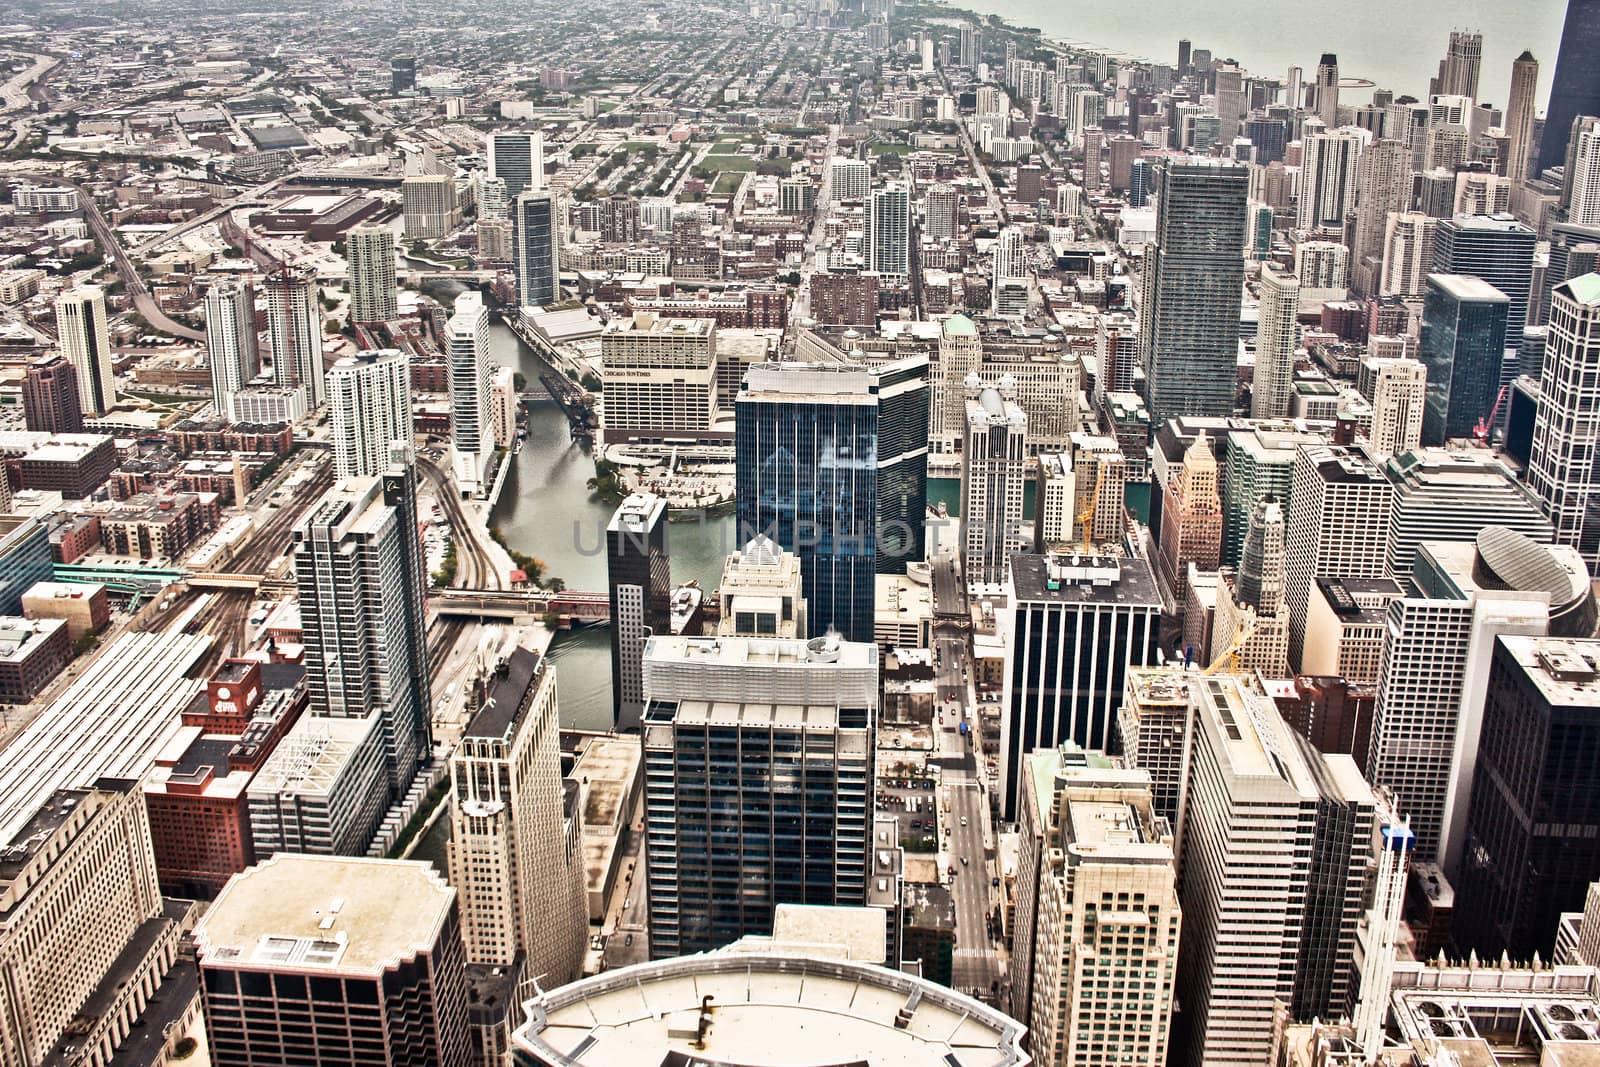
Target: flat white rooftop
[[766, 1011], [310, 914]]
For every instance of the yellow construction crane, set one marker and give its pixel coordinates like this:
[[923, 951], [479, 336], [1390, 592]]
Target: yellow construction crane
[[1086, 516], [1230, 655]]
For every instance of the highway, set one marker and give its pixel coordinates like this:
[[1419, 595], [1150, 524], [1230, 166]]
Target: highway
[[142, 299]]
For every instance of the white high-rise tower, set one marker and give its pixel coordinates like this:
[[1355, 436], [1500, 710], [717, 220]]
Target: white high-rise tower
[[370, 251], [231, 342], [471, 436], [369, 408], [85, 341]]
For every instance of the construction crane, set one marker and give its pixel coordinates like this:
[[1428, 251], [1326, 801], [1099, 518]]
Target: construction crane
[[1486, 426], [1230, 655], [1086, 516]]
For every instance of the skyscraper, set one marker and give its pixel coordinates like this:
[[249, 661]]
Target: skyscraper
[[1583, 176], [81, 900], [370, 251], [1338, 514], [1450, 495], [941, 206], [294, 332], [1277, 338], [904, 409], [1426, 728], [759, 753], [322, 959], [1498, 249], [402, 74], [471, 436], [82, 335], [1191, 519], [1274, 858], [232, 345], [358, 568], [50, 396], [1398, 399], [1088, 836], [1407, 253], [512, 853], [1520, 109], [1564, 462], [535, 230], [1463, 346], [1193, 279], [638, 572], [806, 457], [518, 160], [1458, 71], [888, 232], [1327, 90], [849, 179], [1533, 823], [369, 408], [1575, 90], [1329, 160], [991, 481], [960, 354], [1383, 185], [432, 207], [1075, 625]]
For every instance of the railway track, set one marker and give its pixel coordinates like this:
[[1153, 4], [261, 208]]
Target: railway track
[[474, 568]]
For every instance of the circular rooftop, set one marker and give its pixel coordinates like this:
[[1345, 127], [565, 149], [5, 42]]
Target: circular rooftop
[[1521, 563], [766, 1010]]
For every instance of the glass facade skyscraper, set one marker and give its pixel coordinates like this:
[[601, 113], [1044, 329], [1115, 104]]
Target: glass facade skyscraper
[[904, 408], [1576, 88], [1498, 249], [639, 574], [1193, 281], [758, 760], [534, 227], [1463, 343], [806, 456]]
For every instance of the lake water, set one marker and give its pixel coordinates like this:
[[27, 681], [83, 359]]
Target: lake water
[[1397, 48]]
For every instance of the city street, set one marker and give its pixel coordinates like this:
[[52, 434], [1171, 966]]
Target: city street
[[977, 965]]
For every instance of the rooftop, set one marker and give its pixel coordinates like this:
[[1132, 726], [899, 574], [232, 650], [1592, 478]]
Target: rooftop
[[519, 675], [110, 722], [1468, 287], [766, 1009], [1566, 671], [353, 916], [1068, 578]]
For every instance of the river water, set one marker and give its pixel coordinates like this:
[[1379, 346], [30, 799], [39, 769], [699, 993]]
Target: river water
[[546, 510]]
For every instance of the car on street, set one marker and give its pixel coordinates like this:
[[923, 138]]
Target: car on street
[[963, 861], [963, 820]]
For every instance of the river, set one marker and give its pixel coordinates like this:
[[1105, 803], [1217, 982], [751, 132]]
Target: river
[[1396, 48], [545, 510]]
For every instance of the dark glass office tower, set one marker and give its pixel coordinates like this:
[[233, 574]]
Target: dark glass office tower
[[638, 572], [1193, 278], [1533, 823], [1576, 88], [534, 226], [1463, 343], [1498, 249], [904, 406], [806, 457]]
